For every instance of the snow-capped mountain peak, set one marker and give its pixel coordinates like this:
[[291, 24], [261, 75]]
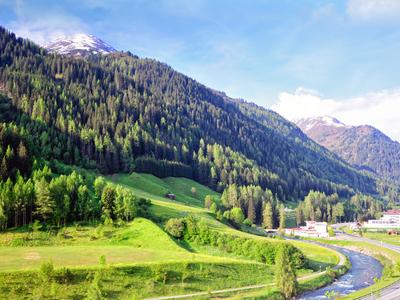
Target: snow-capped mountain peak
[[309, 123], [79, 44]]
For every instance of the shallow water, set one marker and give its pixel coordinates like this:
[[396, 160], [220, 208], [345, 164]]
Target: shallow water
[[362, 273]]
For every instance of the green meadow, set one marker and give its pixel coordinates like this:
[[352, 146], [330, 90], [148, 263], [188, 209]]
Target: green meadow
[[136, 259]]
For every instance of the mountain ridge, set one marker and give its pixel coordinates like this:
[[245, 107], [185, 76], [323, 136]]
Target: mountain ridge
[[121, 107], [363, 146]]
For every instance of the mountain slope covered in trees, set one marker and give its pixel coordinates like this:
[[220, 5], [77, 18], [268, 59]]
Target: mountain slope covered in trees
[[119, 112]]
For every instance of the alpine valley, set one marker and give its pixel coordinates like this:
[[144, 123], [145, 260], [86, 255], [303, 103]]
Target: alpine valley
[[121, 178]]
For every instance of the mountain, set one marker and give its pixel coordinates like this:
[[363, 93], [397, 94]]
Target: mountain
[[79, 44], [119, 113], [363, 146]]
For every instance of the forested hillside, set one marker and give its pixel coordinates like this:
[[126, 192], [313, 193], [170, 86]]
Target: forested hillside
[[119, 112]]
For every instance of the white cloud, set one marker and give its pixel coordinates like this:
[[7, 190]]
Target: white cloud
[[47, 29], [379, 109], [42, 26], [373, 9]]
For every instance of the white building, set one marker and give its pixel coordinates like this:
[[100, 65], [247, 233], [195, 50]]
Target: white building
[[390, 220], [312, 229]]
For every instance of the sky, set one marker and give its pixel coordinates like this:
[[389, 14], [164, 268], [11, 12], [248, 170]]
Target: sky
[[300, 58]]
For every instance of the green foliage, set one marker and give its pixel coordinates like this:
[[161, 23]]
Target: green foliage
[[237, 215], [319, 207], [331, 232], [64, 276], [94, 291], [102, 260], [175, 227], [46, 271], [268, 216], [285, 274], [260, 250], [282, 217], [208, 201]]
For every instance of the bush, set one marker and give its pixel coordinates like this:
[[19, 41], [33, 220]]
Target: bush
[[175, 227], [208, 201], [247, 222], [46, 271], [331, 232], [102, 260], [65, 276], [214, 207]]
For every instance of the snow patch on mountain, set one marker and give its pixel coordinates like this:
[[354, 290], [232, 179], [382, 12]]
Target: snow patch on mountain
[[79, 44], [309, 123]]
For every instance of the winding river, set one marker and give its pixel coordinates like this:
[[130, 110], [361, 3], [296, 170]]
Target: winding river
[[362, 273]]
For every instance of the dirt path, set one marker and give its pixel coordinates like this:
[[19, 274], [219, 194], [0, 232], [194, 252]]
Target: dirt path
[[342, 260]]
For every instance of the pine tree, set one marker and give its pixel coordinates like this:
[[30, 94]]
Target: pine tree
[[44, 203], [285, 274], [282, 217], [251, 210], [268, 216]]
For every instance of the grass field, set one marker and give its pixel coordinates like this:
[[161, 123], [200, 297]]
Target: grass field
[[137, 253], [384, 237]]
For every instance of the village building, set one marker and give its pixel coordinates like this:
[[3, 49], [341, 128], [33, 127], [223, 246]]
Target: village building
[[389, 220], [312, 229]]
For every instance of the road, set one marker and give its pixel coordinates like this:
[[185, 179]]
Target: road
[[391, 292]]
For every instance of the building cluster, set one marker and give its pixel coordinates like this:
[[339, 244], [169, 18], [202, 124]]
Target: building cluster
[[389, 220], [312, 229]]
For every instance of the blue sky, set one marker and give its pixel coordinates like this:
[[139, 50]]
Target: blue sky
[[259, 50]]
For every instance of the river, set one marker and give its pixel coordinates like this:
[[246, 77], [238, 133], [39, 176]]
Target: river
[[362, 273]]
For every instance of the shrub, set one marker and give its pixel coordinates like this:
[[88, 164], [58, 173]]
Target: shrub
[[208, 201], [94, 290], [247, 222], [175, 227], [102, 260], [214, 207], [237, 215], [46, 271], [65, 276], [331, 232]]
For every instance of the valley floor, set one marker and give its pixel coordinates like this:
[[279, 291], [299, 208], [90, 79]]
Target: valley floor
[[139, 259]]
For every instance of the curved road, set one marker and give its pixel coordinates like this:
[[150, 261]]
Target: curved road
[[391, 292]]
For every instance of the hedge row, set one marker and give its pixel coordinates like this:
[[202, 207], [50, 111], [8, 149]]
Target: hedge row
[[260, 250]]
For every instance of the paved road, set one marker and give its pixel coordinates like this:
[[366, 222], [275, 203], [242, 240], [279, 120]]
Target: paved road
[[391, 292]]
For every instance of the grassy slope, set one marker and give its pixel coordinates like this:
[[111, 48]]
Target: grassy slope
[[147, 185], [140, 244]]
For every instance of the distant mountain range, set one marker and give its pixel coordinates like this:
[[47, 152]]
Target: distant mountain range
[[363, 146], [79, 44]]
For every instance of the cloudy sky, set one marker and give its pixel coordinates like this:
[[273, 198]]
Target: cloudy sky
[[300, 58]]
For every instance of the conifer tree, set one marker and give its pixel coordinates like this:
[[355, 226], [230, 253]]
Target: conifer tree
[[285, 274], [268, 216]]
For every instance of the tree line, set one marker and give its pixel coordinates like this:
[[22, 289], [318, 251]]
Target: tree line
[[330, 208]]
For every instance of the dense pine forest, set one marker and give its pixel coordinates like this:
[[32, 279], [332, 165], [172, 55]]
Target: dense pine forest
[[120, 113]]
